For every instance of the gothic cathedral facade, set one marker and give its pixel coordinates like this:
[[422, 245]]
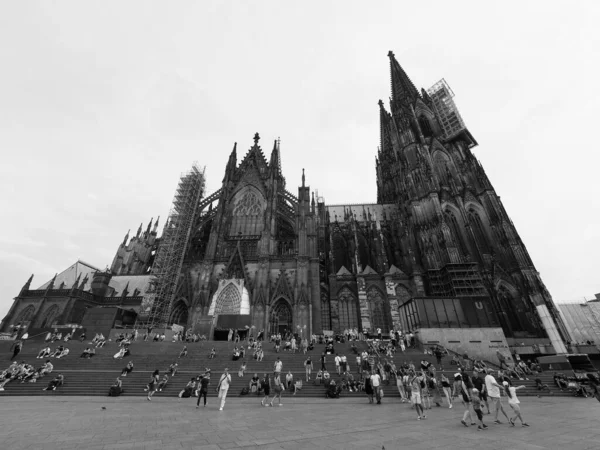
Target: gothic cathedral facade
[[436, 250]]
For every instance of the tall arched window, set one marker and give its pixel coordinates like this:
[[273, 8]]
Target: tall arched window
[[340, 255], [348, 309], [179, 315], [379, 315], [478, 231], [25, 315], [425, 126], [325, 311], [50, 316], [456, 232]]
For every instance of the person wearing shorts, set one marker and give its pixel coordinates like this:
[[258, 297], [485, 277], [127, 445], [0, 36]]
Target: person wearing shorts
[[415, 396]]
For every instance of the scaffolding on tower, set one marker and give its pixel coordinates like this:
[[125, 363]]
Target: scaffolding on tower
[[166, 270], [448, 115]]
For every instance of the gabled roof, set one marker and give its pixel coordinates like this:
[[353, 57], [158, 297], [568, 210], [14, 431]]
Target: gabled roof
[[343, 272], [368, 270], [139, 282], [69, 275]]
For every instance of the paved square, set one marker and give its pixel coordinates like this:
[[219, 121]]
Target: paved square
[[55, 422]]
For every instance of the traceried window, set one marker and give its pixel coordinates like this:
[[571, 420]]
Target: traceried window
[[379, 316], [248, 205], [348, 309], [25, 315], [50, 316], [456, 232], [425, 126], [478, 231]]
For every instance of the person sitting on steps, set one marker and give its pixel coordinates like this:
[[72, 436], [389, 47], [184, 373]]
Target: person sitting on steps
[[44, 353], [56, 382], [128, 369]]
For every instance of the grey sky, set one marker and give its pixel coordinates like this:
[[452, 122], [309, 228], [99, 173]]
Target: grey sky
[[104, 104]]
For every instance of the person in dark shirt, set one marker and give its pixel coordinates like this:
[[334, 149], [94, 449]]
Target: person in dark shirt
[[479, 384], [254, 383], [203, 384]]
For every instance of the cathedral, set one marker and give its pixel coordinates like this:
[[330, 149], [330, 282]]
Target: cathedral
[[436, 253]]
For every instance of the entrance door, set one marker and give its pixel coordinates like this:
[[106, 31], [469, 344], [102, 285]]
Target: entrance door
[[281, 318]]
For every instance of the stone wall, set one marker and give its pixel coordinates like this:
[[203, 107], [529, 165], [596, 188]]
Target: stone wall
[[479, 343]]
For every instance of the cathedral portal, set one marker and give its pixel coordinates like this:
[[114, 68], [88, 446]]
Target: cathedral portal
[[281, 317]]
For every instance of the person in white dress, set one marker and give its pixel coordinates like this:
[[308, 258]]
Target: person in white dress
[[513, 402]]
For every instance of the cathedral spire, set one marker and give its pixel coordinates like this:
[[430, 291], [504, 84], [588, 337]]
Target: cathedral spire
[[384, 129], [51, 284], [126, 238], [275, 163], [156, 225], [27, 285], [303, 178], [149, 226], [404, 91], [139, 231]]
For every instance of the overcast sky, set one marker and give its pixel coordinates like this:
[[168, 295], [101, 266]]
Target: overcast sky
[[104, 104]]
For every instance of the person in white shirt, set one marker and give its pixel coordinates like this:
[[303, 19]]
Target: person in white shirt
[[376, 383], [379, 333], [337, 360], [223, 387], [278, 366], [493, 390], [513, 402]]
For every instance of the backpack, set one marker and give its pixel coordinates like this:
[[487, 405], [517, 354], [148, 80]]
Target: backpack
[[245, 391], [422, 384]]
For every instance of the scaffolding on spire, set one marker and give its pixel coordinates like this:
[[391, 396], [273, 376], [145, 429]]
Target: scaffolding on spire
[[448, 115], [166, 270]]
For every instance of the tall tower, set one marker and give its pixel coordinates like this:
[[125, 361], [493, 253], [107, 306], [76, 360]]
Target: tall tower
[[457, 237]]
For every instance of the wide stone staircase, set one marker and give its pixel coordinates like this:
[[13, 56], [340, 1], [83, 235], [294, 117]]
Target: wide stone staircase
[[94, 376]]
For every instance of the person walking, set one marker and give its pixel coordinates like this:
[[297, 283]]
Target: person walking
[[513, 402], [446, 389], [223, 387], [203, 388], [308, 366], [265, 385], [368, 386], [16, 348], [151, 388], [376, 383], [493, 392], [278, 388], [460, 388]]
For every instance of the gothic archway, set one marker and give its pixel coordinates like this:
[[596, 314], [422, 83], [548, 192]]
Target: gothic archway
[[179, 315], [229, 300], [281, 319], [379, 313], [50, 316]]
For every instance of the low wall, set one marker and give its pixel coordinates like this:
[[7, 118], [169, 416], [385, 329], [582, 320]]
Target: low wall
[[478, 343]]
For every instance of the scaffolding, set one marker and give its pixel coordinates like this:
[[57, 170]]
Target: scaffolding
[[166, 270], [456, 280], [445, 108]]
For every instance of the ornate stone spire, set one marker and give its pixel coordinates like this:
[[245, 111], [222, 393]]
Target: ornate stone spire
[[403, 89]]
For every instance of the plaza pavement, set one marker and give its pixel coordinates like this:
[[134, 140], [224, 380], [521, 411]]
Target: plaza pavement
[[82, 423]]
